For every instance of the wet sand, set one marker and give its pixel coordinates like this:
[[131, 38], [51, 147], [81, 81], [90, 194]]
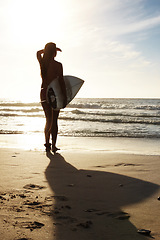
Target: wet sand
[[78, 194]]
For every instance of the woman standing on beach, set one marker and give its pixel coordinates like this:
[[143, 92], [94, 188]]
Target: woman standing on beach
[[50, 70]]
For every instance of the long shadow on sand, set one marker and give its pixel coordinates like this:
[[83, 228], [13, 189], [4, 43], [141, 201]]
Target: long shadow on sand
[[88, 204]]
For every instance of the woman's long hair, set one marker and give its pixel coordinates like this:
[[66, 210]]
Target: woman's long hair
[[49, 52]]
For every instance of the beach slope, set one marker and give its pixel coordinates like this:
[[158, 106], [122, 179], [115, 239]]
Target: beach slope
[[78, 195]]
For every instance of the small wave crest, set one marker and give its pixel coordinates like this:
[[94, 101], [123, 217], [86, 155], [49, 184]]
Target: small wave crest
[[76, 111], [20, 115], [19, 104], [21, 110], [113, 120], [118, 114], [123, 134], [10, 132], [157, 108]]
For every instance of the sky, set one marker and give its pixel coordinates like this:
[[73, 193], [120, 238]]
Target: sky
[[113, 45]]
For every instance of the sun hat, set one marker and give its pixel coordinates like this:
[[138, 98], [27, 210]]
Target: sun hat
[[53, 46]]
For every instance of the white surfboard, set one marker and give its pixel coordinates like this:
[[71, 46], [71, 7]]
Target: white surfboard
[[54, 93]]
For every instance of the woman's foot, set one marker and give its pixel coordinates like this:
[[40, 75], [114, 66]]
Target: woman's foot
[[55, 149], [48, 147]]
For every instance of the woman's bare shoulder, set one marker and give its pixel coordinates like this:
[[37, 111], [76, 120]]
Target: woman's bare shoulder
[[58, 66], [58, 63]]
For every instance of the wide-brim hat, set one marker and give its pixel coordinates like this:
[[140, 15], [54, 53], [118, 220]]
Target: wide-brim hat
[[57, 49], [53, 46]]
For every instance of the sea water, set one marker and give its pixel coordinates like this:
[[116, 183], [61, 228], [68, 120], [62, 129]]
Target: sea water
[[131, 118]]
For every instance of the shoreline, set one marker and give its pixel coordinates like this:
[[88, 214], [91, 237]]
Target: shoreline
[[35, 142]]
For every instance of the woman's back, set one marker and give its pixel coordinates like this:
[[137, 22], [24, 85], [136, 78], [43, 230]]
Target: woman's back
[[54, 70]]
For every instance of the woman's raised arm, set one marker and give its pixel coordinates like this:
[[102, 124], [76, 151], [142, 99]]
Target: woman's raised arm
[[39, 53]]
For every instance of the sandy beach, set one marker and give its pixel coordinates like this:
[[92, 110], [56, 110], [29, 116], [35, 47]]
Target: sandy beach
[[79, 193]]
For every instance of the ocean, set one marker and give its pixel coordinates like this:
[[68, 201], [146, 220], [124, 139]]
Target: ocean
[[87, 117]]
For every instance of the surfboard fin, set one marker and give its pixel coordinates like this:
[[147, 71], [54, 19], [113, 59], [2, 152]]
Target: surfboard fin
[[52, 98]]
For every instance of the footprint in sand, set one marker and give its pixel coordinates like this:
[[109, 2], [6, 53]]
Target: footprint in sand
[[29, 225], [33, 187]]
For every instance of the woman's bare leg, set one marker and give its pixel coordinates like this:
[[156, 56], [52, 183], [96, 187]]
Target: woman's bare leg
[[48, 114], [54, 128]]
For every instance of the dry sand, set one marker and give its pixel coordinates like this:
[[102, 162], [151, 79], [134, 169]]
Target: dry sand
[[78, 194]]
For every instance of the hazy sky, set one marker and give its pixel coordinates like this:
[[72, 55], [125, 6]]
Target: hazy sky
[[111, 44]]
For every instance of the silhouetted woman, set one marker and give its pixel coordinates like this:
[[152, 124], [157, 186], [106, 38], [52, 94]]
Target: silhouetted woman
[[50, 70]]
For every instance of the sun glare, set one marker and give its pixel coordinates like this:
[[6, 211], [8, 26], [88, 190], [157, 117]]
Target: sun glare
[[31, 21]]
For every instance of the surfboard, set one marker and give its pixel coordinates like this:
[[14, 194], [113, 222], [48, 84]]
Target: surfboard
[[54, 93]]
